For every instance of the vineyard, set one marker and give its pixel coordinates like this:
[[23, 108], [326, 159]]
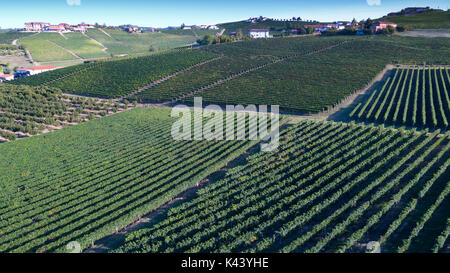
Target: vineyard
[[84, 182], [119, 77], [309, 83], [26, 111], [414, 96], [330, 187], [301, 74], [238, 58]]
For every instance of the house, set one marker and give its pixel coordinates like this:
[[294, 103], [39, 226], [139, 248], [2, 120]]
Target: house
[[34, 70], [6, 77], [259, 33], [186, 27], [378, 26], [212, 27], [36, 26]]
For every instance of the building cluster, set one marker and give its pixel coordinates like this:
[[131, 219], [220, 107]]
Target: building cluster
[[214, 27], [25, 72], [62, 27]]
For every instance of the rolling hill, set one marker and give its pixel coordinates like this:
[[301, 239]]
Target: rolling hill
[[432, 19]]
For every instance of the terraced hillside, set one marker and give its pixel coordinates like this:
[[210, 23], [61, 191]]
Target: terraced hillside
[[328, 188], [415, 96], [83, 182]]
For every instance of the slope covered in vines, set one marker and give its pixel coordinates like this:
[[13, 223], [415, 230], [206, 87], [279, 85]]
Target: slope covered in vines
[[328, 188], [415, 96], [316, 82], [83, 182]]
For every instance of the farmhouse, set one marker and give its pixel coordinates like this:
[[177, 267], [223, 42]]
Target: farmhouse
[[34, 70], [6, 77], [259, 33], [378, 26], [36, 26]]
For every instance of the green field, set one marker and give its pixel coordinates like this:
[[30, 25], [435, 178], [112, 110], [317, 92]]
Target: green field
[[43, 50], [122, 77], [141, 42], [410, 96], [327, 188], [7, 37], [82, 182], [315, 82], [424, 20], [27, 111]]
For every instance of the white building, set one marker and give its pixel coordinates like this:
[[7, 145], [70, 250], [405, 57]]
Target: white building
[[6, 77], [259, 33], [36, 26], [35, 70], [213, 27]]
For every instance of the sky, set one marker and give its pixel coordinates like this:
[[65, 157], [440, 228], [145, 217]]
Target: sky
[[151, 13]]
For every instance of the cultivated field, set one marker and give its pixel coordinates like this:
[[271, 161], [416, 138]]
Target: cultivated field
[[415, 96], [48, 47], [328, 188], [84, 182], [26, 111]]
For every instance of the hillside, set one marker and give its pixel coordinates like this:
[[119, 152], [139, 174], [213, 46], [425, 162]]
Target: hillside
[[243, 26], [425, 20], [7, 37], [55, 47]]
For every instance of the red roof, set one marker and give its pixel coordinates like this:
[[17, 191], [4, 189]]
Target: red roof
[[42, 68], [6, 75]]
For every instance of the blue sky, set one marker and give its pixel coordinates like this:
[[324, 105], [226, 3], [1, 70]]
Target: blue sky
[[174, 13]]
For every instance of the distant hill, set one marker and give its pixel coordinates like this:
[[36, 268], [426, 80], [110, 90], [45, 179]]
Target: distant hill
[[53, 47], [430, 19], [244, 26]]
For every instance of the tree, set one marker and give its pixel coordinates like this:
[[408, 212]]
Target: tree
[[310, 30], [182, 26], [354, 22], [368, 23], [207, 40], [388, 30]]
